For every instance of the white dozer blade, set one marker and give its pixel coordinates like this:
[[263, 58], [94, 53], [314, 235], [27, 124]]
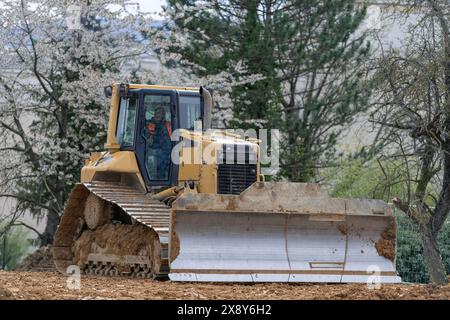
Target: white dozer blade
[[281, 232]]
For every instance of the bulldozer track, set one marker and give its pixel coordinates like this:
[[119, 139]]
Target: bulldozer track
[[140, 207]]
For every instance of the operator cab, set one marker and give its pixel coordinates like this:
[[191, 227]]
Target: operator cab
[[146, 121]]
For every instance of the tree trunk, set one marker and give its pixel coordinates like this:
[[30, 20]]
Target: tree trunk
[[50, 228], [432, 256]]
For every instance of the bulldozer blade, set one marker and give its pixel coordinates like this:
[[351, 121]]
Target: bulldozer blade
[[281, 232]]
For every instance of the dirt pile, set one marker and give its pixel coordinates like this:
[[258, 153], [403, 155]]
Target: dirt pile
[[40, 260], [386, 244]]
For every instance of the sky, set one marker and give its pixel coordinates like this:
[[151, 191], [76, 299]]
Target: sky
[[151, 5]]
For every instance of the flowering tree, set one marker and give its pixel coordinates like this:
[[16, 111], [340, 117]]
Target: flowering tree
[[56, 57]]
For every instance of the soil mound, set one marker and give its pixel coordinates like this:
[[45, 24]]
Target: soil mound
[[41, 260]]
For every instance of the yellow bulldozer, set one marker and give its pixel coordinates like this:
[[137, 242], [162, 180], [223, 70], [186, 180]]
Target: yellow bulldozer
[[138, 212]]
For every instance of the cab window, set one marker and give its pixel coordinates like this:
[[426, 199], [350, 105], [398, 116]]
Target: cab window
[[190, 111], [126, 122]]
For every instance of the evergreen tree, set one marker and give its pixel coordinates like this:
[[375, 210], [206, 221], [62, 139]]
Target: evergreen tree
[[309, 55]]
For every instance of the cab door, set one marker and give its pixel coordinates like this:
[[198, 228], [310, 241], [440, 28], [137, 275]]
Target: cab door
[[158, 120]]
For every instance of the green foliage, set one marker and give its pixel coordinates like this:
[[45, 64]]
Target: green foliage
[[361, 178], [410, 263], [13, 247]]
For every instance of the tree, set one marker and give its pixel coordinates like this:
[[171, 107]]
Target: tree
[[52, 110], [413, 108], [308, 55], [379, 178]]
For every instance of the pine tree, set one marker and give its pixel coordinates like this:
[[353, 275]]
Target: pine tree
[[309, 55]]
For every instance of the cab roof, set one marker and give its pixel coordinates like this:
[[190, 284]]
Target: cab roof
[[159, 87]]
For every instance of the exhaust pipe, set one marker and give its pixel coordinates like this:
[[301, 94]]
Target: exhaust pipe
[[207, 108]]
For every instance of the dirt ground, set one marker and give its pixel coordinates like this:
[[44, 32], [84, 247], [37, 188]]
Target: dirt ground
[[51, 285]]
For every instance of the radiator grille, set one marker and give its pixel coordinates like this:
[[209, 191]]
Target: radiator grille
[[237, 168], [235, 178]]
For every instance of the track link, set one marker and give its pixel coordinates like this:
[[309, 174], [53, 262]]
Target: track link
[[108, 266]]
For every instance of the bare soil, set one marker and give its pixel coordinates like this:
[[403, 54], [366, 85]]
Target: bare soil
[[5, 294], [51, 285]]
